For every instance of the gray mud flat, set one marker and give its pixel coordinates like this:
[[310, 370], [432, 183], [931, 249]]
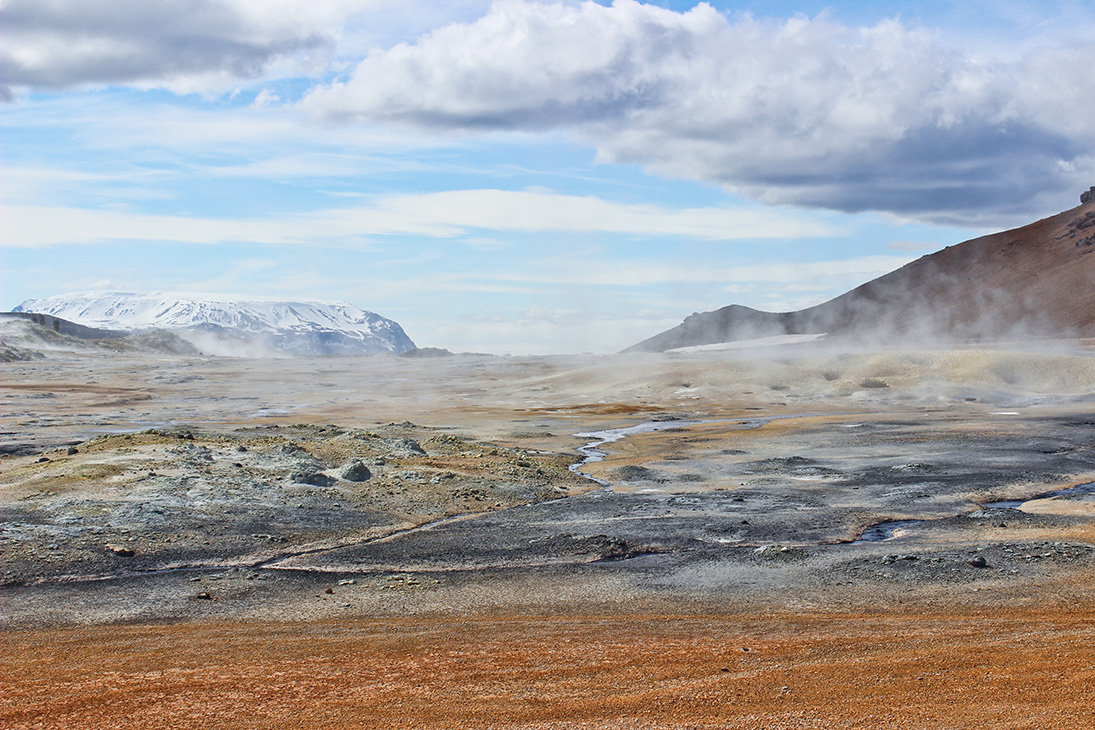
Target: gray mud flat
[[818, 493]]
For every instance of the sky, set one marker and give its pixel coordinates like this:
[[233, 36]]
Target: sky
[[528, 177]]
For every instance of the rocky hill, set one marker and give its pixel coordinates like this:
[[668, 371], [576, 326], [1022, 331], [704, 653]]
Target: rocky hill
[[1031, 282], [28, 336]]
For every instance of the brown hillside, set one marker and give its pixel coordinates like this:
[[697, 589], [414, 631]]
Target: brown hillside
[[1030, 282]]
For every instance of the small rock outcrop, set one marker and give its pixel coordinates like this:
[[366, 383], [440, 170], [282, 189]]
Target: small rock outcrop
[[1087, 197], [355, 471]]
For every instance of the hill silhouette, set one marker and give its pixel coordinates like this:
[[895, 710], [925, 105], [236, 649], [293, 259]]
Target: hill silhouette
[[1031, 282]]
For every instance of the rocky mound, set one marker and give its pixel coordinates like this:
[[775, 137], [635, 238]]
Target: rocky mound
[[1030, 282]]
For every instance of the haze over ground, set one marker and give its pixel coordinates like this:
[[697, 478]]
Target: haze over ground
[[529, 177]]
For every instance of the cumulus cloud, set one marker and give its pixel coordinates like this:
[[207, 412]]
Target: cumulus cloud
[[185, 45], [805, 112]]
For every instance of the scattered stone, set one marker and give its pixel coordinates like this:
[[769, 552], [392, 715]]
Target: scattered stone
[[978, 562], [203, 596], [329, 591], [72, 451], [780, 551], [121, 551], [44, 460]]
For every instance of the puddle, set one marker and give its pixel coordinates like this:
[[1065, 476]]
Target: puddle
[[884, 531]]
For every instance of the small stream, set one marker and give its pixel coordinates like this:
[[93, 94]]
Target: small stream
[[591, 451]]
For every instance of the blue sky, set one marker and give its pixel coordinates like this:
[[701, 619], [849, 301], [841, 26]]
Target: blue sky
[[528, 177]]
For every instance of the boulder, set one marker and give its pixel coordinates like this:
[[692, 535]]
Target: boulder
[[355, 471]]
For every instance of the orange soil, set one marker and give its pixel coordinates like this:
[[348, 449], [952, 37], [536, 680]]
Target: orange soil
[[943, 669]]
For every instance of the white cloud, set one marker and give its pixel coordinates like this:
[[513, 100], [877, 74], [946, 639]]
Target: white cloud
[[30, 226], [629, 273], [503, 210], [806, 112], [437, 215]]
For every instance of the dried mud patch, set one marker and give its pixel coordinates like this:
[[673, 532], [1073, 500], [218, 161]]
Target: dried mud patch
[[878, 669]]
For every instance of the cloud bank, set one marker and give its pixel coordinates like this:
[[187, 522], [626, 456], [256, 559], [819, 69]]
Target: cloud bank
[[805, 112], [184, 45]]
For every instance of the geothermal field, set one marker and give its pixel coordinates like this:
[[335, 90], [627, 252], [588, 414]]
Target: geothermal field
[[791, 537]]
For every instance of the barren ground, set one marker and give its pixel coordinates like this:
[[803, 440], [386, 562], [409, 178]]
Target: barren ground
[[399, 543]]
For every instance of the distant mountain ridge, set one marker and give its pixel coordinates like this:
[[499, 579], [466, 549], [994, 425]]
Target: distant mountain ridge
[[64, 327], [1030, 282], [227, 325]]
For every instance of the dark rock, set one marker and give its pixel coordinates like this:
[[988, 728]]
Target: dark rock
[[204, 596], [315, 478], [121, 551], [1087, 197], [72, 451], [978, 562]]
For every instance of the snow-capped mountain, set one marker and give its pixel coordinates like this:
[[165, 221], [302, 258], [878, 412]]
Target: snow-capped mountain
[[227, 325]]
